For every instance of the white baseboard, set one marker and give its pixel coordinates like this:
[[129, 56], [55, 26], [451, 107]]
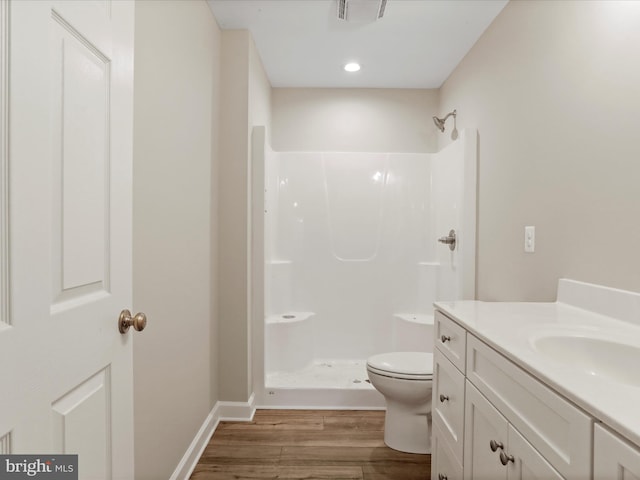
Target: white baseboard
[[232, 411], [238, 411]]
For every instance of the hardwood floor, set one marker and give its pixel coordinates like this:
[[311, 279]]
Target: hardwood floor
[[307, 444]]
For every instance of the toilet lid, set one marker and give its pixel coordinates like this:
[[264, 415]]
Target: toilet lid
[[416, 365]]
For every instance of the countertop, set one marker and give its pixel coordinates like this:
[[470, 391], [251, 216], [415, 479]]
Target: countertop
[[512, 328]]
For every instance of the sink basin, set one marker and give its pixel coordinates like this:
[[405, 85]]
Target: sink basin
[[616, 361]]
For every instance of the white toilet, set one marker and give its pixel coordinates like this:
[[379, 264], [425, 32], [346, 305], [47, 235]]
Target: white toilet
[[405, 379]]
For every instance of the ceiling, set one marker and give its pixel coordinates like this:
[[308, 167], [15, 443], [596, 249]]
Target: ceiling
[[416, 44]]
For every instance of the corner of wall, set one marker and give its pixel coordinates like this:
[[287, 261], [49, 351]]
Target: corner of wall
[[222, 411], [246, 101]]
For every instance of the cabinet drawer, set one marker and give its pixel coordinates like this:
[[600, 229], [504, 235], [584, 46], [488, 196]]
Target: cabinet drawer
[[560, 431], [448, 401], [444, 463], [451, 340]]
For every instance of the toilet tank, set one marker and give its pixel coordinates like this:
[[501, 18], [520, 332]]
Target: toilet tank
[[412, 332]]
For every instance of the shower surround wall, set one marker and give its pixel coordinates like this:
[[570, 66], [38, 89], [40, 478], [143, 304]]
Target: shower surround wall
[[352, 263]]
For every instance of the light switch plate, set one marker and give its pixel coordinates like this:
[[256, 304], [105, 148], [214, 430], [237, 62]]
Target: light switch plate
[[530, 239]]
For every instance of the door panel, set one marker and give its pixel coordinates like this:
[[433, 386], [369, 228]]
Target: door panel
[[613, 457], [81, 157], [67, 367], [81, 160], [483, 423], [81, 424], [528, 464]]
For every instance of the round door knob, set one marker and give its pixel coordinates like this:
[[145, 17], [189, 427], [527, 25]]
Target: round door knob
[[138, 322], [445, 338], [443, 398], [442, 476]]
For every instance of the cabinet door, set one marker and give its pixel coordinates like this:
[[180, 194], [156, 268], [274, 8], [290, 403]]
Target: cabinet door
[[525, 462], [483, 424], [448, 401], [614, 458], [444, 463]]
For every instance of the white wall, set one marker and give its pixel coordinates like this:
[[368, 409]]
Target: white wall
[[233, 207], [177, 56], [354, 120], [245, 101], [554, 91]]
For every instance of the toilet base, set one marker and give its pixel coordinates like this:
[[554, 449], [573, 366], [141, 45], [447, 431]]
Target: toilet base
[[407, 430]]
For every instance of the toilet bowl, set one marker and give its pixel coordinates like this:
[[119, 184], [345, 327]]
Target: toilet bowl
[[405, 380]]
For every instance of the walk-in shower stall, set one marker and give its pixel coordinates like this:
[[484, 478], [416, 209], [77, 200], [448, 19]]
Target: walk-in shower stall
[[353, 264]]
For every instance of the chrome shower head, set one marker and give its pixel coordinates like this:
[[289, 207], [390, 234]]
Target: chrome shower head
[[441, 121]]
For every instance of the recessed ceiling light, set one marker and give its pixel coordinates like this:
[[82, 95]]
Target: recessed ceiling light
[[352, 67]]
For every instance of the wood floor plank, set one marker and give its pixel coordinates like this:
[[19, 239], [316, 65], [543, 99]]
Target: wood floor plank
[[276, 422], [349, 423], [340, 455], [240, 454], [256, 472], [310, 438], [307, 445], [351, 413], [319, 473], [409, 471], [235, 472], [326, 455]]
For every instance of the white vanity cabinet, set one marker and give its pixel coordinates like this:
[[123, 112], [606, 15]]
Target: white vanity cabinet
[[550, 389], [557, 429], [494, 449], [448, 399], [492, 420], [613, 457]]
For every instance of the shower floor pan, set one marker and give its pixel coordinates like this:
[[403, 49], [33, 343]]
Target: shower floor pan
[[324, 384]]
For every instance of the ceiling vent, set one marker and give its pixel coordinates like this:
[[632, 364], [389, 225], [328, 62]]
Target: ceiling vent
[[361, 10]]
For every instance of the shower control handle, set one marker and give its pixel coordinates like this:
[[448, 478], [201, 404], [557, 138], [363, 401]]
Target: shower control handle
[[449, 240], [445, 339]]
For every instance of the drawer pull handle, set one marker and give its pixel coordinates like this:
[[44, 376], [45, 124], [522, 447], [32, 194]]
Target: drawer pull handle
[[445, 339], [443, 398], [505, 459], [442, 476], [495, 445]]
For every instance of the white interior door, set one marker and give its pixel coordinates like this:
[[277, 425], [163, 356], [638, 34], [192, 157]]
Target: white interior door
[[65, 369]]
